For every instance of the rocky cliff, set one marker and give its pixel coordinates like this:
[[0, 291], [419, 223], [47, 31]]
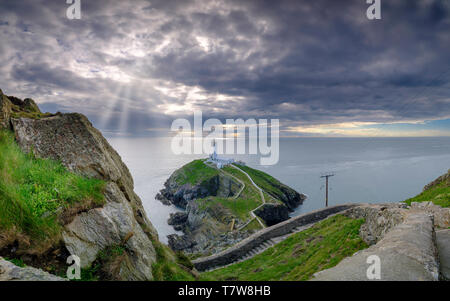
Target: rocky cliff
[[214, 200], [72, 140]]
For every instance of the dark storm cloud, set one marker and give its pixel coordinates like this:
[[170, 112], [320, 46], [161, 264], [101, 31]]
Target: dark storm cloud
[[305, 62]]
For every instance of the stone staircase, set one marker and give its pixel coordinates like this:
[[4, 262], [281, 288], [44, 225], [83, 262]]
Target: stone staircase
[[266, 238], [265, 245]]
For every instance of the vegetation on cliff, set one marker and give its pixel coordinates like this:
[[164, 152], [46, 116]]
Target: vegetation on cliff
[[437, 192], [37, 196], [271, 186], [194, 173], [239, 205], [301, 255]]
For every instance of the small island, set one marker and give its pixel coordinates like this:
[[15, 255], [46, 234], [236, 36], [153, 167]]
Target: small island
[[224, 201]]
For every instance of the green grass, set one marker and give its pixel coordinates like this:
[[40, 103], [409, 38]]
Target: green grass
[[169, 267], [249, 192], [438, 194], [31, 115], [34, 192], [266, 182], [254, 225], [194, 173], [240, 207], [301, 255], [17, 262]]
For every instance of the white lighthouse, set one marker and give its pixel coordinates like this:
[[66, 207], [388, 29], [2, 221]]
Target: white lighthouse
[[215, 159]]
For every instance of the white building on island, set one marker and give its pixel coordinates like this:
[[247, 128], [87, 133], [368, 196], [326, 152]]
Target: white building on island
[[219, 162]]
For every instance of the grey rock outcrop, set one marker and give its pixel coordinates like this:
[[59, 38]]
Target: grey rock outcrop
[[179, 243], [5, 111], [273, 213], [11, 272], [180, 195], [178, 220], [379, 219], [72, 140]]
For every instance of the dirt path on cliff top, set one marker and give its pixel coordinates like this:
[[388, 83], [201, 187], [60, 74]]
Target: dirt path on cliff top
[[262, 199], [261, 193], [252, 213]]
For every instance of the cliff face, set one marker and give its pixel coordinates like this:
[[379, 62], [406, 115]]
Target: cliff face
[[122, 221], [72, 140], [179, 195]]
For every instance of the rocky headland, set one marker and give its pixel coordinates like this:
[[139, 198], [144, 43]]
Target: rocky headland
[[223, 206]]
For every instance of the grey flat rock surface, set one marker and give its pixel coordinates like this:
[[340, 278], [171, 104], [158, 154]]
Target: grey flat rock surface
[[11, 272], [443, 245], [406, 253]]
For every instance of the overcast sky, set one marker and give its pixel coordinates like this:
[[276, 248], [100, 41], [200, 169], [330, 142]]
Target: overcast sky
[[320, 66]]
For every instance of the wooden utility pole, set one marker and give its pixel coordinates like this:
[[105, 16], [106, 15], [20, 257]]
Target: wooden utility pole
[[326, 187]]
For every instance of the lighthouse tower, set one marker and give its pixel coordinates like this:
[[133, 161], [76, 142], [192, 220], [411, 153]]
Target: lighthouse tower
[[214, 154], [216, 160]]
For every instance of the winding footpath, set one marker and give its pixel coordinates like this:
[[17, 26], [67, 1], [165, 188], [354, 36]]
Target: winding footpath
[[252, 213]]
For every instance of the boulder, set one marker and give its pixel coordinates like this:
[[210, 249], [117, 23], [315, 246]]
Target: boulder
[[97, 229], [379, 219], [178, 218], [11, 272], [178, 243]]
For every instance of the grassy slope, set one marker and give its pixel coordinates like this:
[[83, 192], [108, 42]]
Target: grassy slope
[[264, 181], [248, 200], [438, 194], [301, 255], [252, 226], [32, 193], [194, 173]]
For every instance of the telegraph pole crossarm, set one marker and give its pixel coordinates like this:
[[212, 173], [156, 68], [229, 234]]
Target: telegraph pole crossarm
[[326, 176]]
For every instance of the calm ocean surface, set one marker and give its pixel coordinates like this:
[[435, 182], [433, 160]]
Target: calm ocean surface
[[366, 169]]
